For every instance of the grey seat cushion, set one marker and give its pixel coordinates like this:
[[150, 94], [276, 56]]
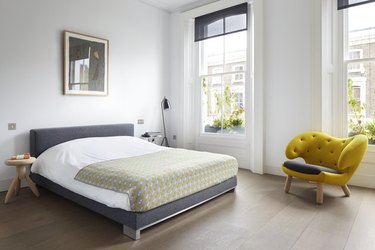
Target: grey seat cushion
[[308, 168]]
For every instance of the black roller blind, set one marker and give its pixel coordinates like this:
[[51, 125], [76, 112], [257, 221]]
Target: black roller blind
[[222, 22], [343, 4]]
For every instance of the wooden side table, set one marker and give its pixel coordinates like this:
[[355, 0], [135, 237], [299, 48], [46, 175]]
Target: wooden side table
[[14, 188]]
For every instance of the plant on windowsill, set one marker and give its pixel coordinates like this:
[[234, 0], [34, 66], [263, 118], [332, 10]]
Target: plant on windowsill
[[356, 124], [233, 123], [370, 131]]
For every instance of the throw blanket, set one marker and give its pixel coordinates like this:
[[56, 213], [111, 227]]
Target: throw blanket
[[154, 179]]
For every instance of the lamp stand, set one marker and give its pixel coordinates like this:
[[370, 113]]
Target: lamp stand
[[165, 134]]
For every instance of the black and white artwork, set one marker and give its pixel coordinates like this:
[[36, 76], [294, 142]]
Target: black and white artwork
[[85, 65]]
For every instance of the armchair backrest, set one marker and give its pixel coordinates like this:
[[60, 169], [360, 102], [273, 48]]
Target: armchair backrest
[[321, 149]]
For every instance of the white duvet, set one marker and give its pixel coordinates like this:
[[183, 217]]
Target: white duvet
[[62, 162]]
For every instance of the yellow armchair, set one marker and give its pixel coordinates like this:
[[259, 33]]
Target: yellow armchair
[[328, 160]]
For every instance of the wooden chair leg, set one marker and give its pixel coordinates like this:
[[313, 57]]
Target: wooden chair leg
[[319, 193], [288, 182], [346, 190]]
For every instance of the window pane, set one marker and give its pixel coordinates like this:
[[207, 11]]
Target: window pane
[[236, 22], [361, 99], [215, 28], [235, 51], [223, 105], [211, 54], [361, 24], [361, 75], [211, 104]]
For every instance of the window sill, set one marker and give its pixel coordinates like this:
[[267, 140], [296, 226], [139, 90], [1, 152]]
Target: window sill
[[228, 140]]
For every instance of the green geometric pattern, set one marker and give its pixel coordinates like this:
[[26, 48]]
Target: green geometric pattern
[[154, 179]]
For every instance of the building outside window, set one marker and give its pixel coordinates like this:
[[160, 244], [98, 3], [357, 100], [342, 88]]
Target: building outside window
[[239, 77], [360, 64]]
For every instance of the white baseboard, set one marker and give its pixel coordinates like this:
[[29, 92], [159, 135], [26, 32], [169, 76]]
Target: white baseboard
[[363, 180], [274, 170]]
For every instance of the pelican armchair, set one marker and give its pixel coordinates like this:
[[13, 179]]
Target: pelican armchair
[[328, 160]]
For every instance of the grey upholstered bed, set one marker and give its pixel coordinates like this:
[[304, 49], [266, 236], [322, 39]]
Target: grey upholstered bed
[[133, 222]]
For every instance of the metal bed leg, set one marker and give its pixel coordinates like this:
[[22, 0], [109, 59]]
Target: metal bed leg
[[134, 234]]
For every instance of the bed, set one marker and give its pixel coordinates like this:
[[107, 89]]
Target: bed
[[47, 139]]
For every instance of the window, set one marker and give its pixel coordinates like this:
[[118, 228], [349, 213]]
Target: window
[[355, 67], [222, 46], [239, 76], [360, 69]]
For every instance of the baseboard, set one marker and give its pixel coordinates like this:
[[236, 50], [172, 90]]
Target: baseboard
[[274, 170], [363, 180]]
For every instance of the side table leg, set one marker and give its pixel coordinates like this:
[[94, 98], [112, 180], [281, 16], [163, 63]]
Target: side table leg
[[11, 190], [32, 186], [17, 187]]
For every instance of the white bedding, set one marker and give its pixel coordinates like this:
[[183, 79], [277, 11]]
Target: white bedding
[[62, 162]]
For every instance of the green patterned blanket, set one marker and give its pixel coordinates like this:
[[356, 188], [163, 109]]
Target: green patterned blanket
[[154, 179]]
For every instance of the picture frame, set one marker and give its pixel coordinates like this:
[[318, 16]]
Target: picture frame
[[85, 65]]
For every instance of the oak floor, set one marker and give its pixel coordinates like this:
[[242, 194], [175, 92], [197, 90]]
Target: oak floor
[[258, 215]]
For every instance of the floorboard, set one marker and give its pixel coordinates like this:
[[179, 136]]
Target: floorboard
[[258, 215]]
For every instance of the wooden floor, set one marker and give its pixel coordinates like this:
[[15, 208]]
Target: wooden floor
[[259, 215]]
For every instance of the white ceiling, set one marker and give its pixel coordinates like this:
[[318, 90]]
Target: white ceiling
[[178, 5]]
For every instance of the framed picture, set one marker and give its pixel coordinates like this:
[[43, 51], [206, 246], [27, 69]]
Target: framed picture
[[85, 65]]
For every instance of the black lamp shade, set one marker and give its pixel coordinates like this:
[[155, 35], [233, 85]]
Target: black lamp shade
[[166, 104]]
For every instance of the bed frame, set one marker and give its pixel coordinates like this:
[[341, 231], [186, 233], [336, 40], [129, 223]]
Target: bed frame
[[133, 222]]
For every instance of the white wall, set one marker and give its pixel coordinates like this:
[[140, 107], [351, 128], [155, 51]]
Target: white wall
[[288, 71], [31, 69]]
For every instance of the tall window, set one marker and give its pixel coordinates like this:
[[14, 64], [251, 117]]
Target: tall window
[[222, 38], [360, 64]]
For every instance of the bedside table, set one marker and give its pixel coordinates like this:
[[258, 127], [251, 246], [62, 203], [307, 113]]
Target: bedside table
[[153, 138], [14, 188]]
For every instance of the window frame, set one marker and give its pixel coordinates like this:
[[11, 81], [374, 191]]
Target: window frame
[[248, 150], [247, 81]]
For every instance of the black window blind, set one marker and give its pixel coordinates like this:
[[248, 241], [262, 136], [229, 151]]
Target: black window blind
[[222, 22], [343, 4]]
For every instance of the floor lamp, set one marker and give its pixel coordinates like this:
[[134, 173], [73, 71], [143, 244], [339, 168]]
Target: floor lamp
[[165, 105]]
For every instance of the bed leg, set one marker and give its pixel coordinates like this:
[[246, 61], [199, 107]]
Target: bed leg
[[232, 190], [134, 234]]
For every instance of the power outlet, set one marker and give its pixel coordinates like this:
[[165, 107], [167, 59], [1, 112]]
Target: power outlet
[[174, 137], [12, 126], [141, 121]]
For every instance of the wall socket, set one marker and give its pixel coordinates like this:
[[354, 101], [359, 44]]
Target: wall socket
[[141, 121], [12, 126], [174, 137]]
